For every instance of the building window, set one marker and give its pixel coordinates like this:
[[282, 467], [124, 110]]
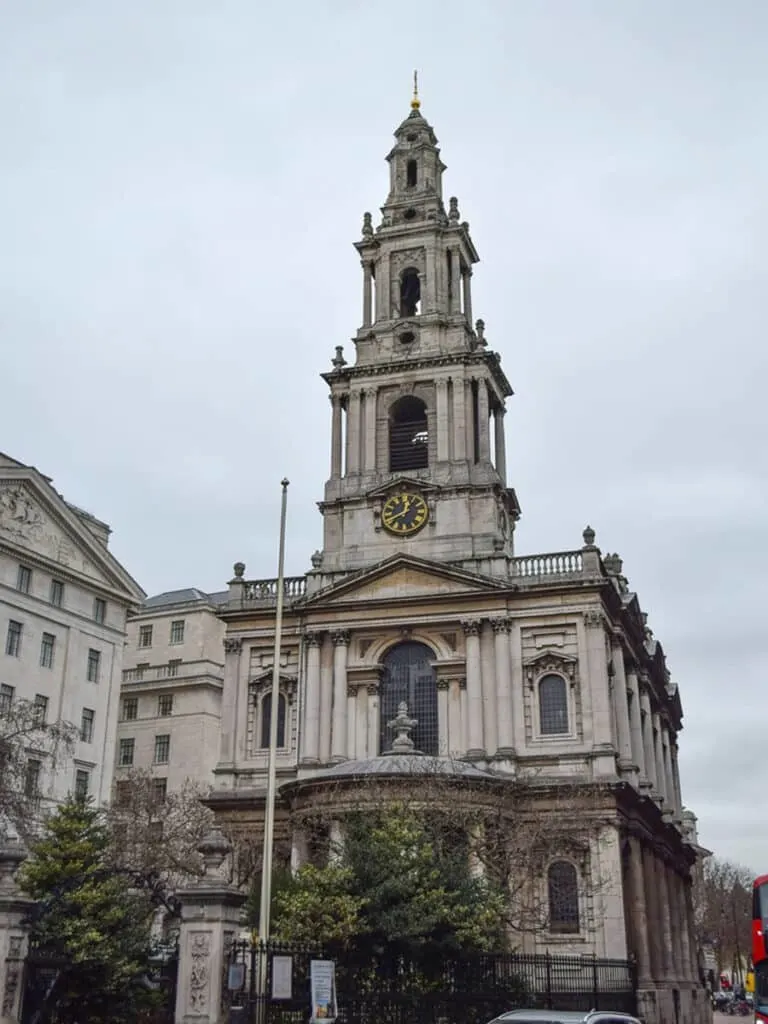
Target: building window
[[408, 435], [94, 665], [99, 610], [126, 752], [553, 706], [159, 790], [130, 708], [40, 710], [57, 593], [266, 720], [86, 726], [13, 639], [177, 631], [165, 705], [145, 636], [173, 667], [411, 173], [563, 893], [47, 647], [82, 784], [410, 293], [24, 579], [409, 676], [32, 778], [162, 749], [6, 699]]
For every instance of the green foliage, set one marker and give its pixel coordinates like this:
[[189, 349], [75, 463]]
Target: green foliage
[[89, 919], [400, 886]]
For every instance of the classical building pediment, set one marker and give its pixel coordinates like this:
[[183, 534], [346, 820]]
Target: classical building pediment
[[35, 518], [403, 483], [404, 577], [550, 660]]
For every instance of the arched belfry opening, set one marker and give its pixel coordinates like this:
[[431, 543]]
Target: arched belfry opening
[[412, 174], [408, 676], [408, 435], [410, 292]]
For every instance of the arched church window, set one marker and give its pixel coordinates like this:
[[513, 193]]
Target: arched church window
[[408, 435], [408, 676], [563, 894], [410, 292], [266, 720], [553, 706], [412, 173]]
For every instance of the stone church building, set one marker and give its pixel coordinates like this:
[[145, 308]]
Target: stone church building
[[509, 666]]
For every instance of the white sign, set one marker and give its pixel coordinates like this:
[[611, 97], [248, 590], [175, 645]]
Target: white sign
[[323, 988], [282, 977]]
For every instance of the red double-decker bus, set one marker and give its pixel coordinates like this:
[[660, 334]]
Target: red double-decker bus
[[760, 946]]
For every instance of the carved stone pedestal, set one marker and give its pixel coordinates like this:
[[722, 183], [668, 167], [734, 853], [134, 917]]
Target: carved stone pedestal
[[13, 934], [210, 916]]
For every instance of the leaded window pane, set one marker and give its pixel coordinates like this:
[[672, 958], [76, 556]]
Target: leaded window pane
[[563, 886], [553, 706], [409, 676]]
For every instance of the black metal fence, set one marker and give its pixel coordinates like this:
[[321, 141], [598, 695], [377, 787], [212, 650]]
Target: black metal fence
[[396, 990]]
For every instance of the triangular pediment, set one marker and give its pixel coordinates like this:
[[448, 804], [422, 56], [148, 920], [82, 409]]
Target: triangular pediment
[[402, 483], [403, 576], [35, 518]]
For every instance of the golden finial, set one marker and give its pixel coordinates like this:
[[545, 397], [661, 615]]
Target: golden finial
[[415, 102]]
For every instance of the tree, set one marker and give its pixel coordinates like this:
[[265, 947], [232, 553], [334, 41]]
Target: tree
[[157, 834], [23, 730], [91, 919], [396, 888], [723, 910]]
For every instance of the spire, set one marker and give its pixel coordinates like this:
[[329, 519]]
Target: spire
[[415, 102]]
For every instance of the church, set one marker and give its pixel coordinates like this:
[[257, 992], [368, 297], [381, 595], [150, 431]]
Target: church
[[419, 633]]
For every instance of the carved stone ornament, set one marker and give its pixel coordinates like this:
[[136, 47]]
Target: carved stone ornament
[[593, 619], [403, 725], [22, 520], [373, 689], [233, 644], [199, 975], [548, 661], [408, 258], [443, 684], [471, 627], [262, 684], [313, 638], [501, 625], [11, 990], [340, 638]]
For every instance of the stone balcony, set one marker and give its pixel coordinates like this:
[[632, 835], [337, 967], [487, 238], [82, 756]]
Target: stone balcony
[[171, 671]]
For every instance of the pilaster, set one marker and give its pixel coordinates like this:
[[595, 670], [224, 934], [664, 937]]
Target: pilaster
[[311, 744], [14, 909], [339, 737], [231, 713], [474, 705], [504, 708]]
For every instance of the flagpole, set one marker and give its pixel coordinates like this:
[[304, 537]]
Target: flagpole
[[269, 810]]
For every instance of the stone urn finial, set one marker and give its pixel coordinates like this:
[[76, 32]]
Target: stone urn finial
[[589, 537], [453, 210], [403, 725], [12, 855], [367, 226], [238, 569], [338, 360], [317, 559], [214, 847]]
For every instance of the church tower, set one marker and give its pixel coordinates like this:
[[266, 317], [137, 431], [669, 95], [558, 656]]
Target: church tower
[[418, 456]]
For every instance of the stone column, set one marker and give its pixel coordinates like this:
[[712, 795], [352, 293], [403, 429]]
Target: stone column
[[361, 729], [373, 720], [681, 915], [455, 281], [689, 921], [474, 704], [311, 739], [367, 292], [441, 387], [504, 721], [14, 908], [464, 714], [469, 421], [483, 418], [597, 680], [639, 916], [626, 762], [654, 916], [636, 726], [676, 778], [659, 759], [443, 731], [353, 433], [677, 924], [299, 849], [230, 699], [456, 746], [500, 443], [666, 920], [326, 697], [466, 281], [429, 287], [459, 420], [647, 727], [351, 721], [338, 735], [335, 436], [490, 704], [370, 430], [669, 782], [383, 288], [518, 685], [210, 921]]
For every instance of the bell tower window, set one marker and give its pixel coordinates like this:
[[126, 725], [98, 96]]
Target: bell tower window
[[411, 174], [410, 292], [408, 435]]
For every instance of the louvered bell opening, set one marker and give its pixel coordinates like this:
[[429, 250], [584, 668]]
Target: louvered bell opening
[[408, 436]]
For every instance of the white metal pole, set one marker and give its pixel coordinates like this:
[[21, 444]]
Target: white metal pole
[[269, 811]]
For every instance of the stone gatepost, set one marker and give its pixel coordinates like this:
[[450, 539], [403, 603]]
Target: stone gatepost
[[14, 909], [210, 916]]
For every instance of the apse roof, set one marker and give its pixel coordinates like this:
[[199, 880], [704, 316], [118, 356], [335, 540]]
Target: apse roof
[[403, 764]]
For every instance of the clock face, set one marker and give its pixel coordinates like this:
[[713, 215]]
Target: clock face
[[404, 513]]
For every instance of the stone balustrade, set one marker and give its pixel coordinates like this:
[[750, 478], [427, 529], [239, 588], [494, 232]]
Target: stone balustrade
[[564, 565]]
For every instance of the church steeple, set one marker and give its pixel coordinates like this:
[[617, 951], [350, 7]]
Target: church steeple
[[419, 398]]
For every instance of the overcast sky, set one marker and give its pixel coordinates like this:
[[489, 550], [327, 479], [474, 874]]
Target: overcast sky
[[180, 187]]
